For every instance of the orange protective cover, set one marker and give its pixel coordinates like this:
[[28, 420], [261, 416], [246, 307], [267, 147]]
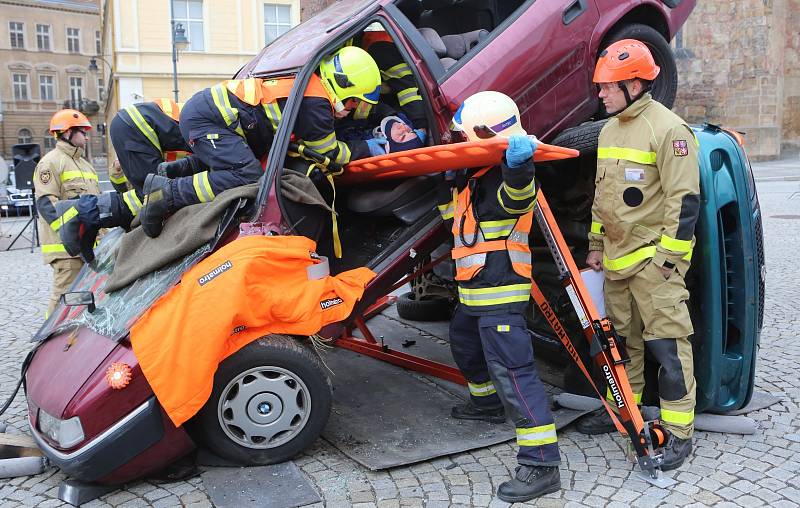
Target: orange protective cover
[[438, 158]]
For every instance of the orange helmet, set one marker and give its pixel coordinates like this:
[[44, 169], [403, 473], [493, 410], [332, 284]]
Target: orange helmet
[[66, 119], [623, 60]]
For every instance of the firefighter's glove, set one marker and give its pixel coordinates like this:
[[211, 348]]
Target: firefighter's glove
[[520, 149], [377, 146], [88, 211]]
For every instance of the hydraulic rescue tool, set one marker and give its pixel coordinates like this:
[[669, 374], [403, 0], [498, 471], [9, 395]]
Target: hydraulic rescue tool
[[605, 347]]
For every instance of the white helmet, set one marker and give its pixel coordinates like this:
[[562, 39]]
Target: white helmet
[[488, 114]]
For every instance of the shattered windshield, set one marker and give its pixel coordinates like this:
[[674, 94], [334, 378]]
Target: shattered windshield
[[115, 312]]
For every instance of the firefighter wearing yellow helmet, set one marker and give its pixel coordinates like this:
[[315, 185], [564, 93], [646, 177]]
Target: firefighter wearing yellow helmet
[[230, 126]]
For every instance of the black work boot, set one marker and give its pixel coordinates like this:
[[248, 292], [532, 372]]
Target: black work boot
[[157, 204], [530, 482], [675, 452], [176, 169], [469, 411], [596, 422]]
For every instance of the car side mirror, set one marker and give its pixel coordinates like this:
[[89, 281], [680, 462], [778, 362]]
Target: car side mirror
[[77, 298]]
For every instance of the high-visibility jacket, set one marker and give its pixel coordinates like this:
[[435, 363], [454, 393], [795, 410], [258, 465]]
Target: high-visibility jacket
[[492, 217], [246, 104], [647, 196], [252, 287], [62, 173], [158, 123]]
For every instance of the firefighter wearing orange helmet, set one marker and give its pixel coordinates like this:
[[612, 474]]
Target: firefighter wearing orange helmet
[[62, 174], [646, 204]]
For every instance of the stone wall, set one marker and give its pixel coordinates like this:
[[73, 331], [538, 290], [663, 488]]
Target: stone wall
[[738, 67]]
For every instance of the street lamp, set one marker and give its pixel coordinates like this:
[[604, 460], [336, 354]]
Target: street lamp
[[179, 43]]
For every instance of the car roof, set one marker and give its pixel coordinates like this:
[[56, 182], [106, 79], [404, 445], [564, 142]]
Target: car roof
[[296, 47]]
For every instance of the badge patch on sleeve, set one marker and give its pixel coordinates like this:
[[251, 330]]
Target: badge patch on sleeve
[[45, 176], [680, 148]]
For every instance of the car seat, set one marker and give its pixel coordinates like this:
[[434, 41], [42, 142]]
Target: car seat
[[408, 201], [450, 48]]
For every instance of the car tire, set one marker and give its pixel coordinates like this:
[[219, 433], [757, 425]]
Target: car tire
[[431, 308], [665, 87], [270, 401], [582, 137]]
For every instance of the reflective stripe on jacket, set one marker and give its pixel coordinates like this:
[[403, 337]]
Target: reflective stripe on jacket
[[158, 122], [647, 196]]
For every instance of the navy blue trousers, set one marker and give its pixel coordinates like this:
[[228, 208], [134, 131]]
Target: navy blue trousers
[[219, 146], [495, 354]]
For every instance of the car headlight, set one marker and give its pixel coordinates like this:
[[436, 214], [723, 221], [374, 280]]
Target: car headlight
[[66, 433]]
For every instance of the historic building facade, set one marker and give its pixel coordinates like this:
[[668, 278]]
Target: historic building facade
[[45, 48]]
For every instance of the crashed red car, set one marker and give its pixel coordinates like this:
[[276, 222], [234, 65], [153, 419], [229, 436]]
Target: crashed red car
[[539, 52]]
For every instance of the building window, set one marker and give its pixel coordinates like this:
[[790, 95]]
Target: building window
[[47, 88], [24, 136], [48, 141], [76, 90], [189, 13], [43, 37], [20, 85], [277, 21], [73, 40], [101, 89], [98, 49], [17, 34]]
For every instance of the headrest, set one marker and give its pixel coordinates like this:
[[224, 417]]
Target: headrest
[[459, 44], [434, 41]]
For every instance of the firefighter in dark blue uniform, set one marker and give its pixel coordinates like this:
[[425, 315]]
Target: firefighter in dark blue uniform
[[143, 135], [230, 127], [492, 215]]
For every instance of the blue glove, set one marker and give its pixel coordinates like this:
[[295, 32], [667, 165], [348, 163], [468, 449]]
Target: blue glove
[[377, 146], [420, 134], [520, 149]]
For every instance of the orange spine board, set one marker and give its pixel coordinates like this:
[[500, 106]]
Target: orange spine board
[[439, 158]]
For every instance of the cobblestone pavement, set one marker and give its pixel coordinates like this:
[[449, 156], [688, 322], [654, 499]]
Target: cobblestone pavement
[[726, 470]]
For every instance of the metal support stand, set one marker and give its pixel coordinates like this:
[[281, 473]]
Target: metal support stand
[[30, 224], [370, 347]]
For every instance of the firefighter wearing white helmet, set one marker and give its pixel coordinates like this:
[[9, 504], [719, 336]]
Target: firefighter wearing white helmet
[[492, 214]]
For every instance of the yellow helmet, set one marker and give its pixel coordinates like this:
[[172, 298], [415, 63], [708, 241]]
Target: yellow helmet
[[351, 72], [487, 114]]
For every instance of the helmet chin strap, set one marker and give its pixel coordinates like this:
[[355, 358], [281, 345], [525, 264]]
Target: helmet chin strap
[[68, 139], [628, 99]]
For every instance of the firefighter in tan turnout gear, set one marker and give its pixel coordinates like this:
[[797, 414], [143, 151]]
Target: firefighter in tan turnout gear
[[646, 205], [62, 174]]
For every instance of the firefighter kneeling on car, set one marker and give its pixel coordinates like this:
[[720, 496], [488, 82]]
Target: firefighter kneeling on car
[[492, 214], [646, 205]]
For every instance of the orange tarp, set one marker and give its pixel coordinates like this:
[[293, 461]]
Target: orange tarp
[[254, 286], [439, 158]]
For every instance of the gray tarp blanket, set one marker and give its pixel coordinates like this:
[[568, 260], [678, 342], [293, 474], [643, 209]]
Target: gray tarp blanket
[[193, 226], [183, 233]]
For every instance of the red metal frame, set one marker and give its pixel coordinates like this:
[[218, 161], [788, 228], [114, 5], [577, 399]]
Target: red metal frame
[[370, 347]]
